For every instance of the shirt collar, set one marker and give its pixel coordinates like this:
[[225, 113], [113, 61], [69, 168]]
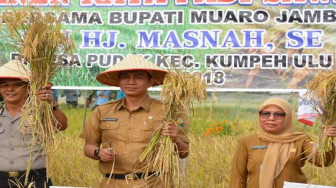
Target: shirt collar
[[2, 108], [145, 104], [4, 112], [122, 104]]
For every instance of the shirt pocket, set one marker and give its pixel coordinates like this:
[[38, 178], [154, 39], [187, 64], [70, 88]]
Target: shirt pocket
[[110, 131], [147, 131], [154, 123], [28, 135], [28, 130], [109, 125], [25, 128]]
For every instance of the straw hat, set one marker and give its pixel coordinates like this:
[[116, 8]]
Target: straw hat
[[15, 69], [131, 63]]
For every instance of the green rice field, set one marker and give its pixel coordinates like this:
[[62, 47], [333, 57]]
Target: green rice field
[[209, 162]]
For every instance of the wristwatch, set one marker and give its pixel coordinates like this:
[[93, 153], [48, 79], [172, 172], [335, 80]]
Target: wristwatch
[[96, 152]]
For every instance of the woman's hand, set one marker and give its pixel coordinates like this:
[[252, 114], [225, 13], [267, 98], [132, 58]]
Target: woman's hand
[[330, 130]]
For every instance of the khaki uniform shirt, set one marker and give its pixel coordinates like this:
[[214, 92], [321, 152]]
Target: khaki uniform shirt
[[14, 146], [250, 155], [128, 132]]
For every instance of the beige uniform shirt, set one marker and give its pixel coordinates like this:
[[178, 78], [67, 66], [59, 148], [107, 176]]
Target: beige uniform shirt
[[129, 132], [250, 155], [14, 146]]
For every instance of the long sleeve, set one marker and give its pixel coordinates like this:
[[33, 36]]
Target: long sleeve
[[315, 157], [239, 167]]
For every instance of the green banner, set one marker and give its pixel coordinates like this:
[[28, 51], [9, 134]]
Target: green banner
[[235, 44]]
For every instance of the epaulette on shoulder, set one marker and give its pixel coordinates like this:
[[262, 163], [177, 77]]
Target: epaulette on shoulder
[[250, 137], [110, 102], [157, 103]]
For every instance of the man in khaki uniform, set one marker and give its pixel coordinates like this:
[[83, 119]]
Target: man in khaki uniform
[[118, 132]]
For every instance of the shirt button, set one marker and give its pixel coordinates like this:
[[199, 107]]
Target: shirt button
[[12, 149], [132, 115], [12, 162]]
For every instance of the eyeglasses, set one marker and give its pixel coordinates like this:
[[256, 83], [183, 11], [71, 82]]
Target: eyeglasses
[[267, 115]]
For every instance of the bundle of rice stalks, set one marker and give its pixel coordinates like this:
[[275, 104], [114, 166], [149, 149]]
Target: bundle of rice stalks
[[179, 90], [41, 40], [322, 93]]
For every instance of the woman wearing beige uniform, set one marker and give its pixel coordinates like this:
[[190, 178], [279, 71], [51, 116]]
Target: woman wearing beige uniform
[[276, 154]]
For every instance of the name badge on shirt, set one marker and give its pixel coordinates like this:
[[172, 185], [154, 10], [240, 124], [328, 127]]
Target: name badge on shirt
[[110, 119], [259, 147]]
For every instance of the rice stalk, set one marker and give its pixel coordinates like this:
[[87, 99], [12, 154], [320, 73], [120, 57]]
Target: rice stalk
[[41, 40], [178, 92], [322, 93]]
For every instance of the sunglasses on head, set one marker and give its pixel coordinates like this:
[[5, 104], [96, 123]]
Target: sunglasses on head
[[276, 115]]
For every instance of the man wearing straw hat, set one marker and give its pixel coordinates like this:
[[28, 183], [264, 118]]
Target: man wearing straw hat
[[15, 146], [118, 131]]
